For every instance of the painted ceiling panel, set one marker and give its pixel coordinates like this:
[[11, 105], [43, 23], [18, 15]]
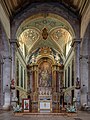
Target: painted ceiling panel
[[28, 37], [42, 22], [41, 32]]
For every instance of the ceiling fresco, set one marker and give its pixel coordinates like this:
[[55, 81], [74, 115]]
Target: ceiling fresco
[[61, 36], [45, 31], [28, 37], [41, 22]]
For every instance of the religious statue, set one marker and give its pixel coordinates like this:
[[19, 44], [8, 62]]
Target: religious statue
[[57, 58], [33, 59]]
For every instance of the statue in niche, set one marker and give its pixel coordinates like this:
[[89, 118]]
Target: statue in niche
[[33, 60], [45, 75], [57, 58]]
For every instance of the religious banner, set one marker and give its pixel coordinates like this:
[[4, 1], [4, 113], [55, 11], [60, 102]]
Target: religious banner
[[26, 105]]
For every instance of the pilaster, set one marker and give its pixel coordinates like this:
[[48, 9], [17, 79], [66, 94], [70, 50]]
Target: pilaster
[[14, 46], [6, 81], [89, 64], [54, 77], [76, 48], [35, 76]]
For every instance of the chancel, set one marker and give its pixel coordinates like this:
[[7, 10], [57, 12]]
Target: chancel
[[44, 55]]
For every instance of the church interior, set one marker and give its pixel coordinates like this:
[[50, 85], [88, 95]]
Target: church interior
[[44, 54]]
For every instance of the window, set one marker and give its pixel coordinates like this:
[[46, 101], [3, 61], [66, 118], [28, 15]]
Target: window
[[68, 47], [23, 49]]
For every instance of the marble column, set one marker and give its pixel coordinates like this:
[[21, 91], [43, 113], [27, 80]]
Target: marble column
[[35, 76], [84, 79], [76, 48], [84, 70], [14, 47], [54, 78], [32, 82], [6, 81], [88, 82], [57, 79], [34, 86], [1, 81]]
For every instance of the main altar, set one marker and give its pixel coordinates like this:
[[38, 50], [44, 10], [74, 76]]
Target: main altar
[[45, 78]]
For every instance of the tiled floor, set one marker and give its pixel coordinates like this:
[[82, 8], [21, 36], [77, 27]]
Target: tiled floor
[[11, 116]]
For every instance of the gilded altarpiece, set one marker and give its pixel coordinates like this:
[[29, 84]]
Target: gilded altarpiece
[[46, 76]]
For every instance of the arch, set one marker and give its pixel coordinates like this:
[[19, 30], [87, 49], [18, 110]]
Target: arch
[[46, 8], [65, 24], [49, 57]]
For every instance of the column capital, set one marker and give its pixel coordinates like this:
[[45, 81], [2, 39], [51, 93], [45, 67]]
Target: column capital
[[14, 41], [76, 41]]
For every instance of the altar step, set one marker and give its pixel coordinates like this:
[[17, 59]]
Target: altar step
[[41, 113]]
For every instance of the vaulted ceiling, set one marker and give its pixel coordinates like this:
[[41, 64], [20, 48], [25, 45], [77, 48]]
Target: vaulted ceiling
[[44, 30], [12, 7]]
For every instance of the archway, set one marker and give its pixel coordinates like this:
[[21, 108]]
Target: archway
[[46, 33]]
